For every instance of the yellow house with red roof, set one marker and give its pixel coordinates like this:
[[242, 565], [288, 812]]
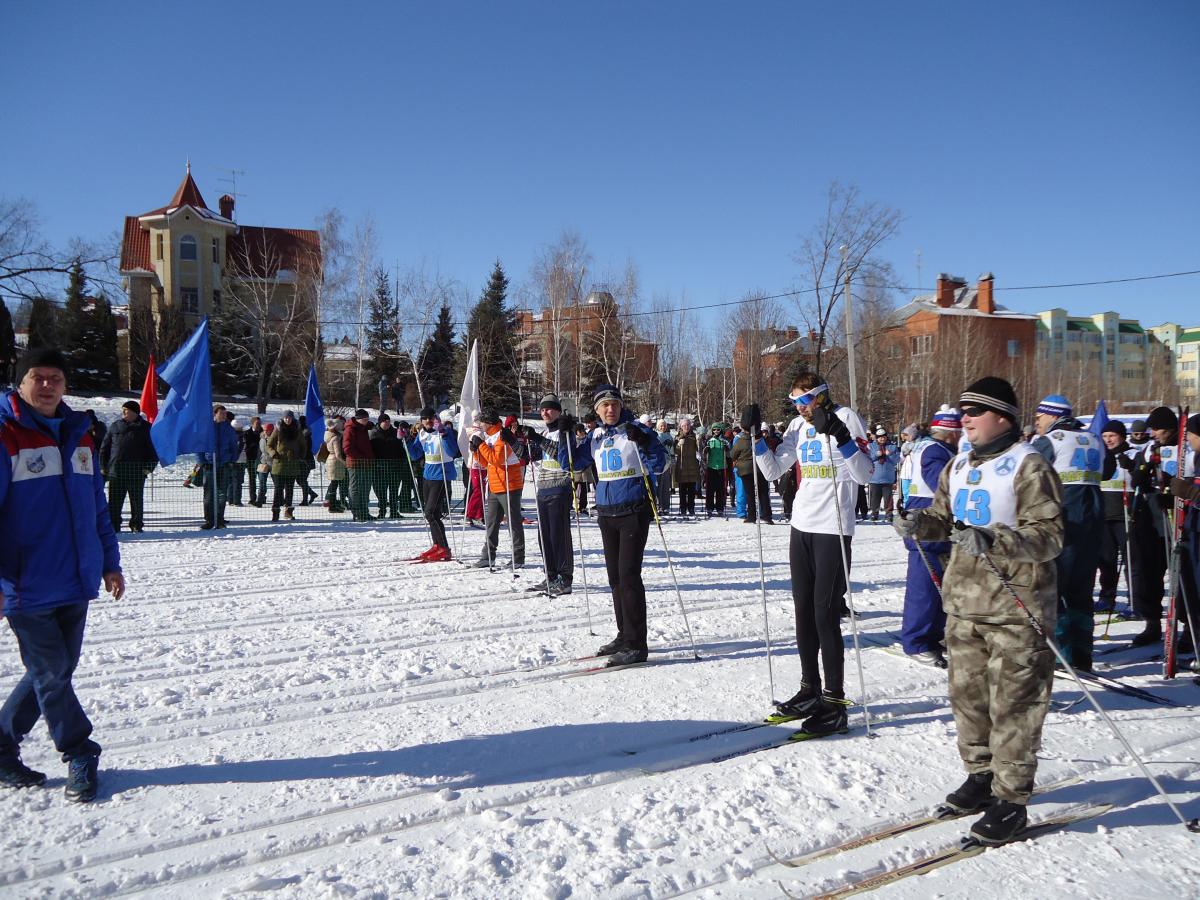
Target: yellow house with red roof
[[185, 257]]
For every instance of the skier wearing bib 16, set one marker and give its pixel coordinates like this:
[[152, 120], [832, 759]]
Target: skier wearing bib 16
[[828, 441], [1081, 463], [623, 452], [1000, 504]]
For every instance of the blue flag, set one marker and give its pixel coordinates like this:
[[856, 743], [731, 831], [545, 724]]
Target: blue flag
[[314, 412], [1099, 420], [185, 419]]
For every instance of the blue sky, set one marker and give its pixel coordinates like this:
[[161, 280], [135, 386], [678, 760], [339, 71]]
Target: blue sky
[[1043, 142]]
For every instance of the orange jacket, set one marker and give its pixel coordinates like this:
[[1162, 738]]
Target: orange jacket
[[494, 453]]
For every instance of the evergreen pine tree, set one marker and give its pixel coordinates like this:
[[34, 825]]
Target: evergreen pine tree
[[437, 361], [8, 345], [494, 325], [94, 353], [73, 321], [383, 344], [43, 324]]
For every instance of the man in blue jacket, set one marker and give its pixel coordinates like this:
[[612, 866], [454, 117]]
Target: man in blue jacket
[[218, 472], [437, 445], [624, 452], [56, 545], [885, 457]]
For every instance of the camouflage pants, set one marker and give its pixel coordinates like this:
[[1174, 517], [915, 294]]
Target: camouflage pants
[[1000, 680]]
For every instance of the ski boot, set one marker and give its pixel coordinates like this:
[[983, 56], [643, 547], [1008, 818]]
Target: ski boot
[[616, 645], [803, 704], [1003, 822], [831, 718], [972, 795]]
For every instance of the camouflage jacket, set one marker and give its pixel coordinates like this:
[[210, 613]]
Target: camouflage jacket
[[1025, 554]]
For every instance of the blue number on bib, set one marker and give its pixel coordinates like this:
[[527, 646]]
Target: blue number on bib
[[1170, 467], [810, 452], [610, 460], [1086, 460], [971, 506]]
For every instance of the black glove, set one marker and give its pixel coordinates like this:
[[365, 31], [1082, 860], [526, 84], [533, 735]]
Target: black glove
[[507, 436], [752, 419], [567, 423], [476, 443], [1124, 460], [825, 420], [638, 436], [529, 433]]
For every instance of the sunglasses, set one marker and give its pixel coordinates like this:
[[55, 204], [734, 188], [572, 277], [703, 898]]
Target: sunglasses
[[810, 397], [973, 411]]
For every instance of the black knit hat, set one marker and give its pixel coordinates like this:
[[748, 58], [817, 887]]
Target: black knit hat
[[550, 401], [41, 358], [992, 393], [606, 392], [1162, 417], [489, 417], [428, 413], [1115, 426], [1193, 424], [133, 406]]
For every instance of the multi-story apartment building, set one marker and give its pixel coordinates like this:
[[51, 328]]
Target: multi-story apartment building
[[1182, 358], [1092, 357]]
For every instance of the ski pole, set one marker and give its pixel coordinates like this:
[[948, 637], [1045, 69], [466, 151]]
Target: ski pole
[[1194, 824], [512, 525], [666, 551], [570, 439], [762, 577], [540, 530], [413, 474], [837, 503]]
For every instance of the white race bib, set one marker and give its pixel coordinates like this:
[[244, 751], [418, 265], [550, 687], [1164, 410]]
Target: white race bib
[[984, 495]]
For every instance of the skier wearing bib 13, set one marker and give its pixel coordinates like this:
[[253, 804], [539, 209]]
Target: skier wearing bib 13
[[623, 452], [1000, 504]]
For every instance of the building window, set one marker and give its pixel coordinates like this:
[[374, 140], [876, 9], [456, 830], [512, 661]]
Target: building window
[[187, 247], [159, 246], [190, 299], [921, 344], [1014, 349], [216, 249], [216, 301]]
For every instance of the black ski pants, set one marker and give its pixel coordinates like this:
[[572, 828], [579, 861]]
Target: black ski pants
[[624, 546], [714, 490], [1149, 564], [819, 591], [126, 480], [433, 502], [687, 498], [554, 533]]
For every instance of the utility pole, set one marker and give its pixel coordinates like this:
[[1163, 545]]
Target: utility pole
[[849, 331]]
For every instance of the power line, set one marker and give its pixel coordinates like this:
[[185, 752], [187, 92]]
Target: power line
[[756, 298]]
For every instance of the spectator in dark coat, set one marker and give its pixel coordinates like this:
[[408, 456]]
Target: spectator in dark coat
[[127, 457], [251, 438], [390, 464]]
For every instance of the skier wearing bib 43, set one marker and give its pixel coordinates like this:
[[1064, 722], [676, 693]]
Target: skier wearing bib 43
[[1081, 463], [623, 452], [828, 441], [1000, 504]]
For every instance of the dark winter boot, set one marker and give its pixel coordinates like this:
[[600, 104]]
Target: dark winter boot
[[274, 515], [1001, 823], [803, 704], [616, 645], [830, 718], [82, 780], [973, 794], [18, 775], [627, 656], [1146, 638]]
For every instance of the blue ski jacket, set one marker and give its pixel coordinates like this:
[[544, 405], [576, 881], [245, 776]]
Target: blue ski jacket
[[615, 498], [228, 444], [427, 444], [56, 537]]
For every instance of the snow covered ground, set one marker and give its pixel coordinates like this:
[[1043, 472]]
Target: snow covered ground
[[295, 712]]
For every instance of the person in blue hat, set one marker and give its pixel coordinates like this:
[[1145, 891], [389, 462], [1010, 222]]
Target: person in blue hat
[[1081, 462]]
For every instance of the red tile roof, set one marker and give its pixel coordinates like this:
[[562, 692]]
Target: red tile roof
[[188, 194], [255, 250], [135, 246]]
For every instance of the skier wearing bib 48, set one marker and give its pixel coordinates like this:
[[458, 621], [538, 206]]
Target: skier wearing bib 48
[[1081, 463], [623, 452], [1000, 504], [828, 441]]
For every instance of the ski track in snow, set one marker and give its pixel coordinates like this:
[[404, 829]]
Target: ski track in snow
[[300, 714]]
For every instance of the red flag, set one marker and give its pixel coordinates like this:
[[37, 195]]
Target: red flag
[[149, 401]]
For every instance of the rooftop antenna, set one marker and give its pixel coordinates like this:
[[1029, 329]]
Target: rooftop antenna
[[918, 271], [232, 182]]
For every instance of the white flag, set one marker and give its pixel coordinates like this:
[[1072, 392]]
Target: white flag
[[469, 401]]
